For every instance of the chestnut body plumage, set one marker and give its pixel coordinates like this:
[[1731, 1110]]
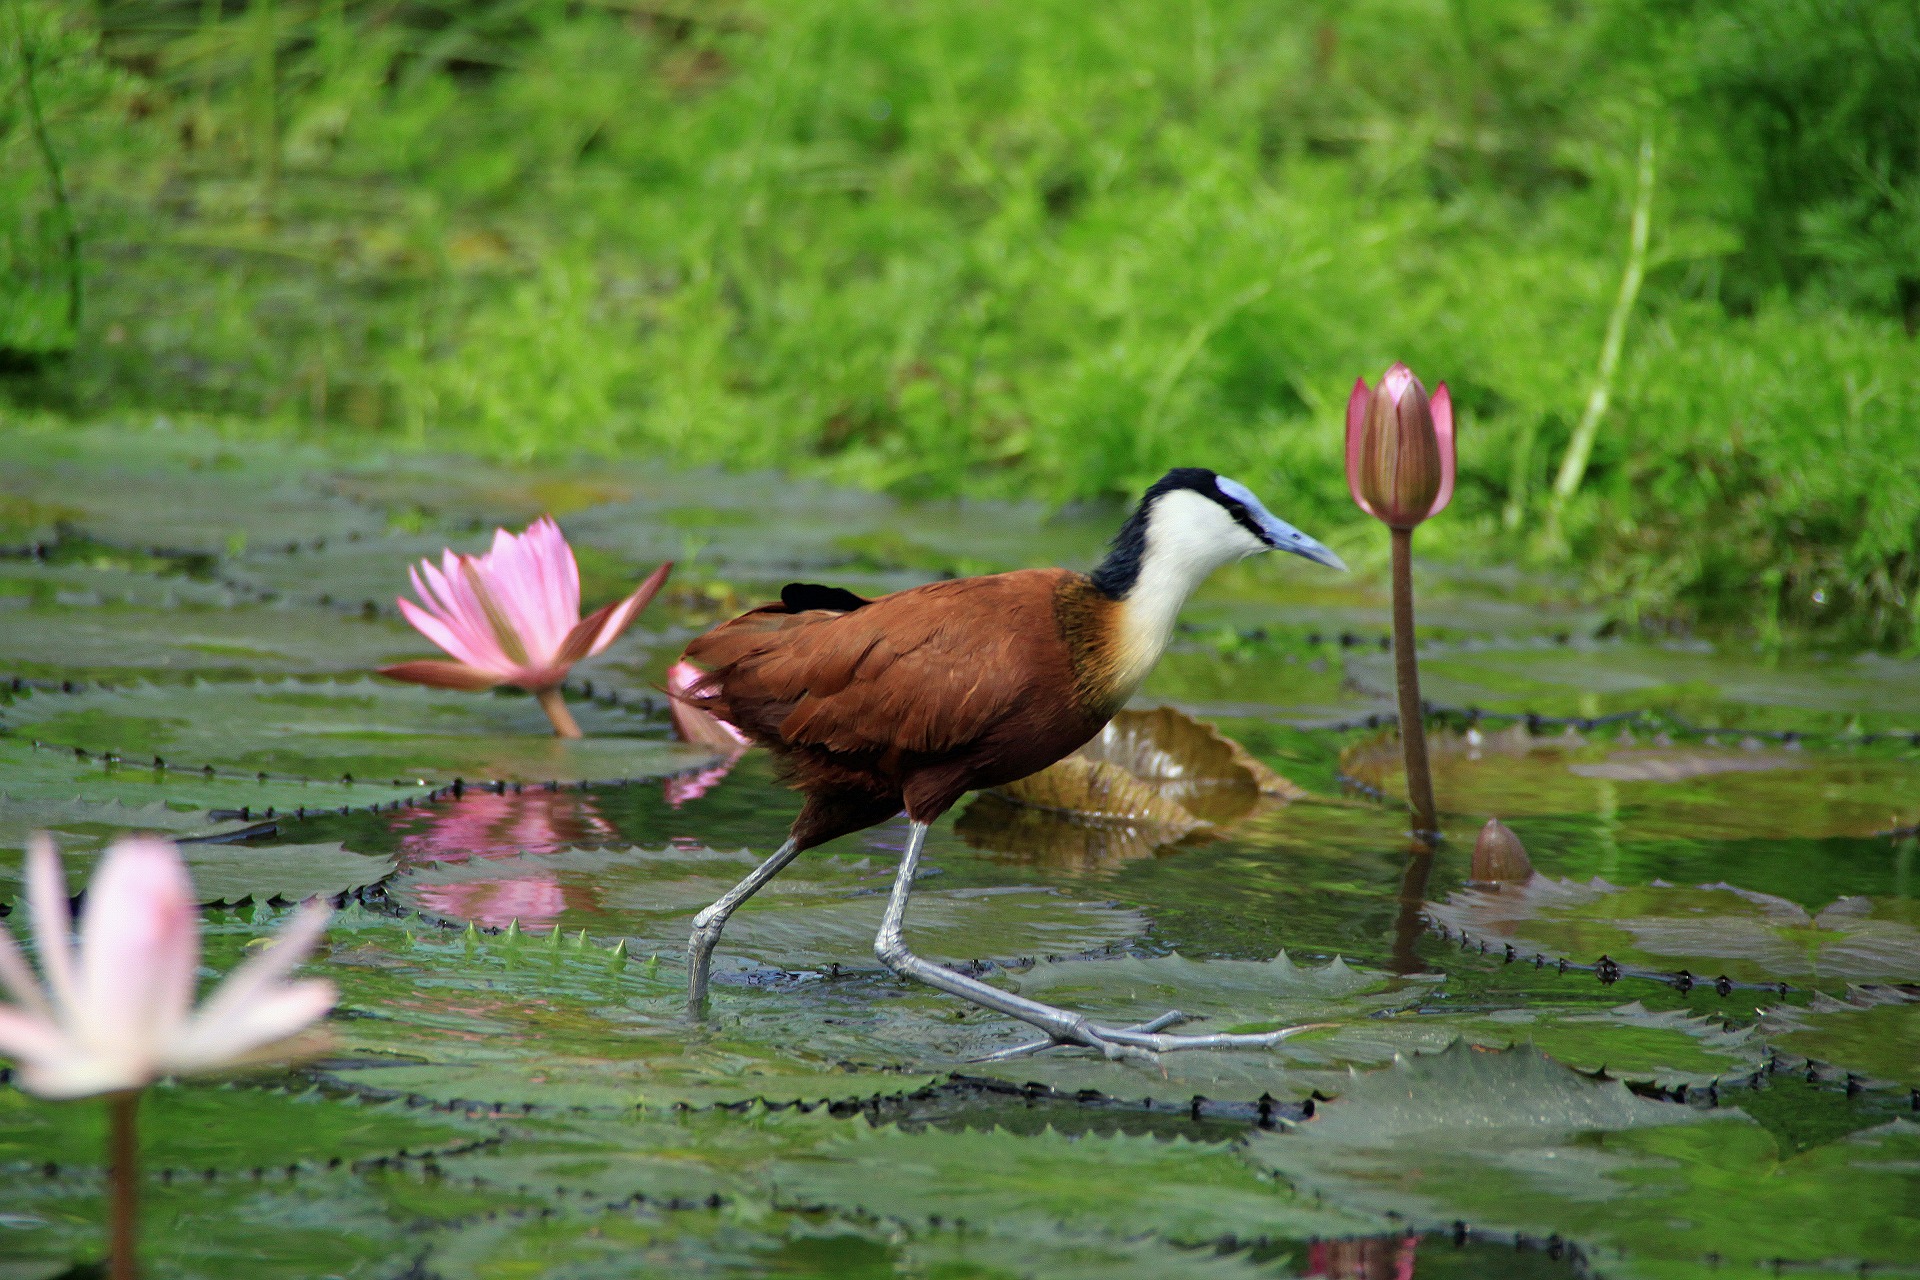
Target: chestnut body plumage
[[910, 701]]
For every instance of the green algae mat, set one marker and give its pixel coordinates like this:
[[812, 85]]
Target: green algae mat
[[1687, 1045]]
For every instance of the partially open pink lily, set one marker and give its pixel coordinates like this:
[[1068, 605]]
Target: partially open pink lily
[[512, 616], [117, 1013]]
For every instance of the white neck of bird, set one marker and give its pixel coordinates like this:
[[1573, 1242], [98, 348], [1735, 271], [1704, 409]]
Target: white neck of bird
[[1188, 537]]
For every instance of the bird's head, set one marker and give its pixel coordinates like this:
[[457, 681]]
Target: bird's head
[[1190, 523]]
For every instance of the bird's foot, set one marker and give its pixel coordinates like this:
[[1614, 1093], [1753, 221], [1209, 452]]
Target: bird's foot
[[1146, 1041], [1171, 1018]]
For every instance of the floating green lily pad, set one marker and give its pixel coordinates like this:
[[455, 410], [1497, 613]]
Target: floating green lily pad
[[1701, 685], [560, 1021], [818, 912], [230, 1129], [588, 1245], [84, 826], [1225, 995], [1874, 1032], [101, 643], [1512, 1141], [81, 583], [1708, 931], [230, 873], [367, 730], [1120, 1185], [1627, 1042], [1690, 792], [182, 490], [52, 776]]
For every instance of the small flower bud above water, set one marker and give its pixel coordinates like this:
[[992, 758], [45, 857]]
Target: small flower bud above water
[[1400, 455], [116, 1012], [1499, 857]]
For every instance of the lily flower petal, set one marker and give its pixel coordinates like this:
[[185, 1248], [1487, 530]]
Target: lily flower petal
[[1442, 407], [511, 616], [119, 1017], [52, 921]]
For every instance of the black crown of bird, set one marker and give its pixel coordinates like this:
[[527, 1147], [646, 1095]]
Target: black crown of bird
[[909, 701]]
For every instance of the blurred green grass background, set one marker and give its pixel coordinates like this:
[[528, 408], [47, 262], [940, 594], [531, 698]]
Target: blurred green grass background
[[1036, 249]]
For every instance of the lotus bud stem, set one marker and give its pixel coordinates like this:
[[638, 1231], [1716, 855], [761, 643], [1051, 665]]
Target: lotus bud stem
[[554, 703], [123, 1173], [1400, 470]]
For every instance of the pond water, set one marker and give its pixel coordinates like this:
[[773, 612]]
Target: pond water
[[1711, 982]]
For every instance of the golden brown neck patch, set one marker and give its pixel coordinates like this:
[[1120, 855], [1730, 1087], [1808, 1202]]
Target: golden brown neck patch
[[1089, 622]]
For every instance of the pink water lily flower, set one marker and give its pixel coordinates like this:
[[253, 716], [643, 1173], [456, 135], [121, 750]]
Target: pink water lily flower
[[116, 1013], [692, 723], [512, 616]]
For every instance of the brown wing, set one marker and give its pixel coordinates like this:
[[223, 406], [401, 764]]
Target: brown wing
[[922, 671]]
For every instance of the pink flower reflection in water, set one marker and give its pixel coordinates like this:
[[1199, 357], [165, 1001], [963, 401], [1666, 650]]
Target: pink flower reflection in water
[[1378, 1258], [484, 825], [535, 901], [691, 786]]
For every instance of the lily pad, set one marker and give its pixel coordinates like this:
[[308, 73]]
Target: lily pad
[[228, 1129], [997, 1181], [818, 912], [560, 1021], [85, 826], [1628, 1042], [1222, 995], [182, 490], [1694, 681], [1651, 792], [280, 1226], [230, 873], [1511, 1141], [82, 582], [1708, 931], [1874, 1032], [604, 1246], [50, 776], [99, 643], [368, 731]]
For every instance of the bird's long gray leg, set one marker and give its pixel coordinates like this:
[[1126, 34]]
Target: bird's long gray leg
[[1061, 1026], [708, 924]]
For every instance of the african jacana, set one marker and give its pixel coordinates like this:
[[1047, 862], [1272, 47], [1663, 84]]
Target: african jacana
[[914, 699]]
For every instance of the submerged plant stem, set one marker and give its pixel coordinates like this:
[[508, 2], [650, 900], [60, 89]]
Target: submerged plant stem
[[554, 703], [123, 1174], [1413, 730]]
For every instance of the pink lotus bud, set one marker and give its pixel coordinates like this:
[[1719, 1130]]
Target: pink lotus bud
[[1499, 857], [1400, 456]]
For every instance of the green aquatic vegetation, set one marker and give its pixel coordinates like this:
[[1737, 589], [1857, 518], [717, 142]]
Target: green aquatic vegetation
[[178, 491], [1709, 931], [604, 1246], [999, 1182], [161, 643], [229, 1130], [48, 776], [1874, 1032], [557, 1020], [373, 732], [1694, 681], [222, 873], [1647, 1188], [824, 911]]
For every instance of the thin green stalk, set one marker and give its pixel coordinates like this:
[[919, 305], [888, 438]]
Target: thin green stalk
[[123, 1174], [266, 84], [1413, 729], [70, 229], [1573, 465]]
